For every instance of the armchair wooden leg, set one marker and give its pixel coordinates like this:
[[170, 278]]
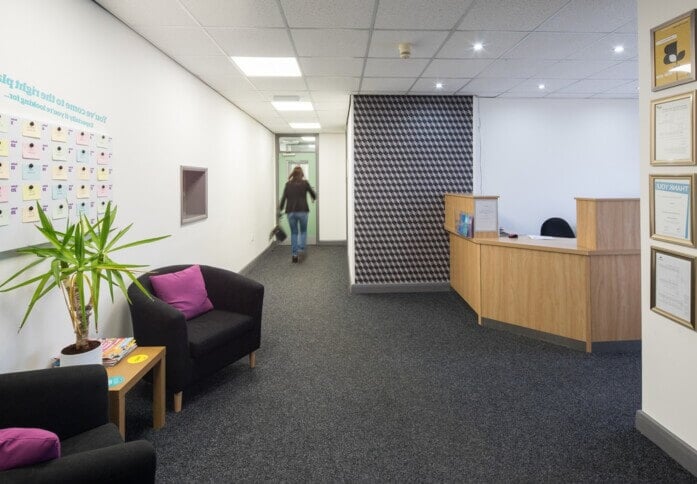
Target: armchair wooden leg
[[252, 359], [178, 402]]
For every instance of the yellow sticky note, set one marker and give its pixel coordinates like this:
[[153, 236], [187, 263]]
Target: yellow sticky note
[[31, 191], [4, 147], [137, 358], [30, 214], [59, 172], [60, 152], [103, 174], [83, 173], [31, 129], [102, 141], [59, 133], [4, 170], [3, 123], [83, 191]]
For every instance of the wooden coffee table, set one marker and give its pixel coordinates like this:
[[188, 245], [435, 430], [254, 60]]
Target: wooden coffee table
[[151, 358]]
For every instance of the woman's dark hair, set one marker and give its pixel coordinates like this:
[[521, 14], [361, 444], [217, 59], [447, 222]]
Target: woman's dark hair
[[297, 174]]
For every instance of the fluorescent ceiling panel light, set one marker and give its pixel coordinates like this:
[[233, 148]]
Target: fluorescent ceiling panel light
[[305, 125], [478, 46], [439, 85], [540, 86], [268, 66], [292, 105], [618, 49], [307, 138]]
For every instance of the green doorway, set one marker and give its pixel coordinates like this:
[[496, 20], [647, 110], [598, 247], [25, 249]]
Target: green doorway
[[298, 151]]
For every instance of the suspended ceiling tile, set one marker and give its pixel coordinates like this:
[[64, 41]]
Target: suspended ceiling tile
[[591, 16], [234, 13], [253, 42], [417, 14], [330, 43], [339, 107], [532, 85], [278, 83], [386, 84], [603, 49], [212, 66], [428, 86], [566, 95], [523, 95], [516, 68], [551, 45], [335, 118], [299, 116], [631, 87], [467, 68], [521, 15], [628, 28], [460, 44], [424, 43], [331, 66], [340, 84], [330, 97], [181, 41], [574, 69], [235, 95], [231, 84], [622, 70], [149, 13], [303, 95], [615, 95], [395, 67], [496, 84], [339, 14], [592, 86]]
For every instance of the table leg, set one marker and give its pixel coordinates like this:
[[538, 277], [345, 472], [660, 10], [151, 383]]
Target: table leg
[[158, 394], [117, 411]]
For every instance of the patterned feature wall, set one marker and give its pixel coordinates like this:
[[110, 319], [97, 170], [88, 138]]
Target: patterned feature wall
[[408, 152]]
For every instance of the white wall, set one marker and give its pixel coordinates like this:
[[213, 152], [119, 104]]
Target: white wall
[[669, 351], [538, 154], [332, 184], [160, 117]]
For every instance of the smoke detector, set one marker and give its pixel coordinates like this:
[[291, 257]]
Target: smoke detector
[[405, 50]]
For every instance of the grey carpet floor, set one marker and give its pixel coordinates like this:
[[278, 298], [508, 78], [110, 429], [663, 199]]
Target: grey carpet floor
[[400, 387]]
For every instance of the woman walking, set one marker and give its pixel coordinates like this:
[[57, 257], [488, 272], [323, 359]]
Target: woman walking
[[295, 201]]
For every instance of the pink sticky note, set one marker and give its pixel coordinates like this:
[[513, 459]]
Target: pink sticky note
[[4, 193], [31, 151], [103, 190], [102, 157], [82, 138]]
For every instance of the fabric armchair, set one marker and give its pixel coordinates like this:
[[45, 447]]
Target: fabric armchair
[[73, 403], [202, 345]]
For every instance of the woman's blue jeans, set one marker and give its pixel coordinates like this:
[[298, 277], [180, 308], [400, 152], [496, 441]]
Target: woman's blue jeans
[[298, 231]]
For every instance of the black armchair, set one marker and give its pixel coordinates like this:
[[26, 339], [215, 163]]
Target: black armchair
[[557, 227], [73, 403], [204, 344]]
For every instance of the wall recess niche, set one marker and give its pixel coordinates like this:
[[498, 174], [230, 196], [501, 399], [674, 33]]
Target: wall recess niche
[[194, 191]]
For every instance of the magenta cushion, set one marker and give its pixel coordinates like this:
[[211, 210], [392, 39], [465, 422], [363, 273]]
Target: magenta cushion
[[22, 447], [185, 290]]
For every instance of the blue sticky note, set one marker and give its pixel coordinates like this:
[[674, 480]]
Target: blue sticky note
[[82, 208], [59, 191], [31, 171], [82, 155], [115, 380]]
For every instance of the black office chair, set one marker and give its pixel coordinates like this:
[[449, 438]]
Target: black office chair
[[557, 227]]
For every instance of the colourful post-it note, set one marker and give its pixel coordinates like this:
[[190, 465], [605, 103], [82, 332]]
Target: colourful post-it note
[[137, 359]]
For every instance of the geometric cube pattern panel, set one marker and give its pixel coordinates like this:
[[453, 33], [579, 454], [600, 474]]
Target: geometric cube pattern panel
[[409, 151]]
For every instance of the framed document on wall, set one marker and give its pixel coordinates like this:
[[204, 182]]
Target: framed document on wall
[[672, 130], [673, 52], [673, 286], [671, 207]]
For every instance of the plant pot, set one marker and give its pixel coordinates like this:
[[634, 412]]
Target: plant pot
[[69, 357]]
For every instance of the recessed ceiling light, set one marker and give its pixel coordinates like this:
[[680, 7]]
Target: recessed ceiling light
[[478, 46], [307, 138], [541, 86], [305, 125], [618, 49], [268, 66], [292, 105], [439, 85]]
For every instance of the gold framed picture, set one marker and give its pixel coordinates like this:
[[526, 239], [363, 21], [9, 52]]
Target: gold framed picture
[[673, 286], [673, 52], [671, 208], [673, 130]]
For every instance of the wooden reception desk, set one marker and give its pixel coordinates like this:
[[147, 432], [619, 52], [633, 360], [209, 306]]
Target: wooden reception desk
[[576, 292]]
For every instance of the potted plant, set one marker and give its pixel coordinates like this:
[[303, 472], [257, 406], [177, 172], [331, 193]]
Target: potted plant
[[79, 261]]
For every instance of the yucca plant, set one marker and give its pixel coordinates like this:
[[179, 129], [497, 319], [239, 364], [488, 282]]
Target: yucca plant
[[79, 261]]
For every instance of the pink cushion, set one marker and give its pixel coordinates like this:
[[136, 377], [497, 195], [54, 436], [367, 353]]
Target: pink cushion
[[185, 290], [22, 447]]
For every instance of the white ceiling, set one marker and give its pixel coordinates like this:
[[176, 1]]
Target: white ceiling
[[350, 46]]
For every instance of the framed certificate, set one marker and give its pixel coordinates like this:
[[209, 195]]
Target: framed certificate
[[673, 52], [672, 286], [672, 130], [671, 208]]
